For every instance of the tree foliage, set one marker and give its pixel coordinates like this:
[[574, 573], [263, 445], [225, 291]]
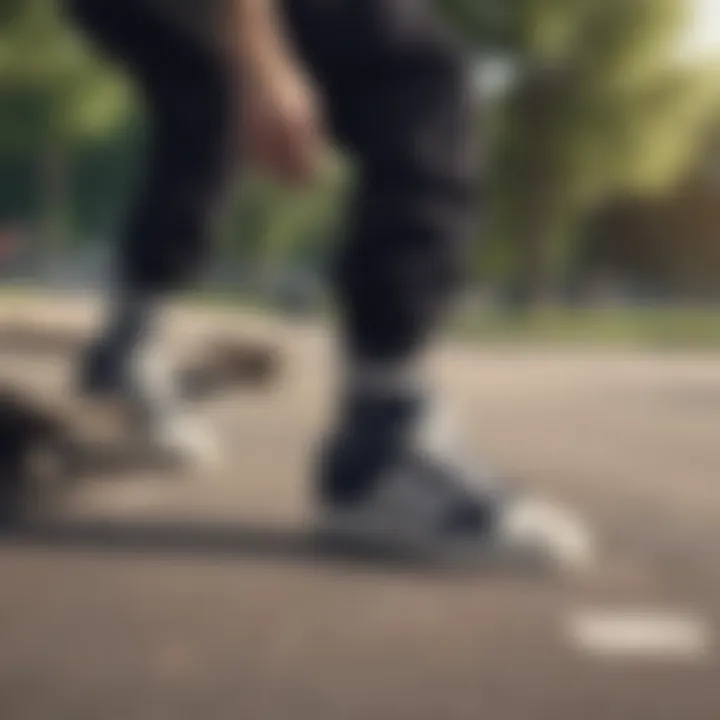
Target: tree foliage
[[52, 91], [599, 109]]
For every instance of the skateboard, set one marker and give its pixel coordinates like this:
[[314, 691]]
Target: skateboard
[[222, 362], [36, 456], [227, 364], [50, 442]]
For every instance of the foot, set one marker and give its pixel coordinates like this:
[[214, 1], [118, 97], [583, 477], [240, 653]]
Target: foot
[[142, 385], [389, 479], [103, 371]]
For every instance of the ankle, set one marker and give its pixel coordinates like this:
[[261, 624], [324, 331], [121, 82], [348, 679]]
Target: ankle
[[384, 379]]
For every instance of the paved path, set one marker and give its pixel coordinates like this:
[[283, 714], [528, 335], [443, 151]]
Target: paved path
[[151, 597]]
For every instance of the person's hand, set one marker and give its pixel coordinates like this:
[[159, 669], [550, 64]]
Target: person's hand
[[281, 120]]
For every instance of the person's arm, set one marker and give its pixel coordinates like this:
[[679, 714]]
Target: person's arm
[[259, 31], [281, 118]]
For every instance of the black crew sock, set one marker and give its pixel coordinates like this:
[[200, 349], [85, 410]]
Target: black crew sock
[[382, 406], [129, 324]]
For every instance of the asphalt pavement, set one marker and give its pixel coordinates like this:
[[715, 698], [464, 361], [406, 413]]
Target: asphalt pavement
[[145, 595]]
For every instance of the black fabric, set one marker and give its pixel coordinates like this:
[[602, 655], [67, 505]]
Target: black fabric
[[373, 438], [376, 440], [398, 95], [189, 103]]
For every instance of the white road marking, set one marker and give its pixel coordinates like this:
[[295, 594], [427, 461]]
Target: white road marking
[[640, 633]]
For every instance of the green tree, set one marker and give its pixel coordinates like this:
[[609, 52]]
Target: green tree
[[54, 97], [600, 108]]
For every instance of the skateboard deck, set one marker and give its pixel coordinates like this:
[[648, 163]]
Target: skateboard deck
[[51, 441], [35, 456], [221, 364], [51, 444]]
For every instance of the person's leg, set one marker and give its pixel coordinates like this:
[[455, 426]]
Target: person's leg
[[400, 98], [401, 103], [164, 240]]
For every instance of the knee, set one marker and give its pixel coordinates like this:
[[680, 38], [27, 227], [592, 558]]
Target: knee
[[445, 64], [422, 185], [452, 117], [431, 160], [425, 123]]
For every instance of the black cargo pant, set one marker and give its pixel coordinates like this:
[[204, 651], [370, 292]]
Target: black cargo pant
[[399, 101]]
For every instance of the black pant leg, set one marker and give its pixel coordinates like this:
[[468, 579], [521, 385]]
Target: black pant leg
[[400, 101], [188, 98]]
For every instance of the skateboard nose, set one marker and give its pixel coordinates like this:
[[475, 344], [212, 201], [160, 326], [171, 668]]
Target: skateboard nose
[[34, 463]]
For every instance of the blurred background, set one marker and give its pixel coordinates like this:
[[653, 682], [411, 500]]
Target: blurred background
[[601, 121], [139, 597]]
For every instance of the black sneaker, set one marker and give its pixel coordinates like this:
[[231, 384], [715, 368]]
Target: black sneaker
[[390, 479], [142, 387]]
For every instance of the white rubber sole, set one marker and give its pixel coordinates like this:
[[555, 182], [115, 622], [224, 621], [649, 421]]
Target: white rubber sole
[[185, 444], [566, 548]]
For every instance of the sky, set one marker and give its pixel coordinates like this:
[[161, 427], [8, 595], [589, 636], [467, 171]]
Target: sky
[[703, 38]]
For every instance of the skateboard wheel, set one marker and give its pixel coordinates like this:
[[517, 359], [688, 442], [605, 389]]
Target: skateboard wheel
[[35, 461]]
